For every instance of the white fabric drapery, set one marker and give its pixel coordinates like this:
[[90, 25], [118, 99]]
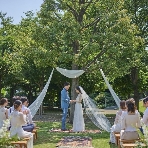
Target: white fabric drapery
[[70, 73], [92, 111], [37, 103], [116, 98]]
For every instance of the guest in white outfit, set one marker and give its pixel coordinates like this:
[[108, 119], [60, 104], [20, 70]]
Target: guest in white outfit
[[30, 125], [27, 104], [130, 121], [11, 109], [117, 123], [78, 122], [24, 101], [17, 119], [144, 119], [3, 111], [145, 114]]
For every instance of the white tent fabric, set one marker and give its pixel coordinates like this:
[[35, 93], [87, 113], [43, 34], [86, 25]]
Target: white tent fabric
[[116, 98], [37, 103], [70, 73]]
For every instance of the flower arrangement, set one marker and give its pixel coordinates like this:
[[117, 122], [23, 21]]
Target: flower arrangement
[[5, 139]]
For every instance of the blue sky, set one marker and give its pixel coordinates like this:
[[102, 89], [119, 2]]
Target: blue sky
[[16, 8]]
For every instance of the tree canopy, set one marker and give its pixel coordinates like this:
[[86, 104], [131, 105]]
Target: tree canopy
[[77, 34]]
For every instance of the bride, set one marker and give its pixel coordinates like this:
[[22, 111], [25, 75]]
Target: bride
[[78, 122]]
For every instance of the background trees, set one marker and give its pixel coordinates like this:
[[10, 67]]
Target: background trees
[[92, 34], [138, 10]]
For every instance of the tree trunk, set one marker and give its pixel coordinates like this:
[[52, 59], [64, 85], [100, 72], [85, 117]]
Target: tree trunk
[[76, 48], [12, 90], [0, 87], [30, 95], [41, 107], [75, 82], [135, 79]]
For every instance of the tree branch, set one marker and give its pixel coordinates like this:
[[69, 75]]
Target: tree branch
[[73, 11], [88, 5], [90, 70], [95, 58], [92, 23], [57, 15]]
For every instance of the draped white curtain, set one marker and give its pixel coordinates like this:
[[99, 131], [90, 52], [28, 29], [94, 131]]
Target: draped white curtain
[[95, 115], [116, 98], [70, 73], [37, 103]]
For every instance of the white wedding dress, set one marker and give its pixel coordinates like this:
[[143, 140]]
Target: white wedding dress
[[17, 119], [78, 122]]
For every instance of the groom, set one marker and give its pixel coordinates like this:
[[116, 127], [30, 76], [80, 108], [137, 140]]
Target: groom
[[65, 100]]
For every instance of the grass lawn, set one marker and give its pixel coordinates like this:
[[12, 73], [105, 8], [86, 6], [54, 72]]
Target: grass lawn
[[48, 139]]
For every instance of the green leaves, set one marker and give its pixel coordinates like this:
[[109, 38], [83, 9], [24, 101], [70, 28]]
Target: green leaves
[[88, 34]]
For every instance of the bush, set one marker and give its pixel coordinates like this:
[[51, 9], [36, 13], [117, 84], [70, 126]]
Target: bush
[[5, 139]]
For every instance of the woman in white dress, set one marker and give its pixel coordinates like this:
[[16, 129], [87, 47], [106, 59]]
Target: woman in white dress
[[78, 122], [17, 119], [29, 126], [3, 111], [130, 121], [145, 114], [11, 109], [144, 119], [117, 123]]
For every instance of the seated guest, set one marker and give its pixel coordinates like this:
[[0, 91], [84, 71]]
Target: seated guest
[[26, 127], [29, 123], [130, 120], [117, 123], [17, 119], [3, 111], [145, 114], [11, 109], [27, 104], [24, 101]]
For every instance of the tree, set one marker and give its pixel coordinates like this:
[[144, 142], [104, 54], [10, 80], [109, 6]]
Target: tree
[[84, 32], [138, 11], [6, 47]]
